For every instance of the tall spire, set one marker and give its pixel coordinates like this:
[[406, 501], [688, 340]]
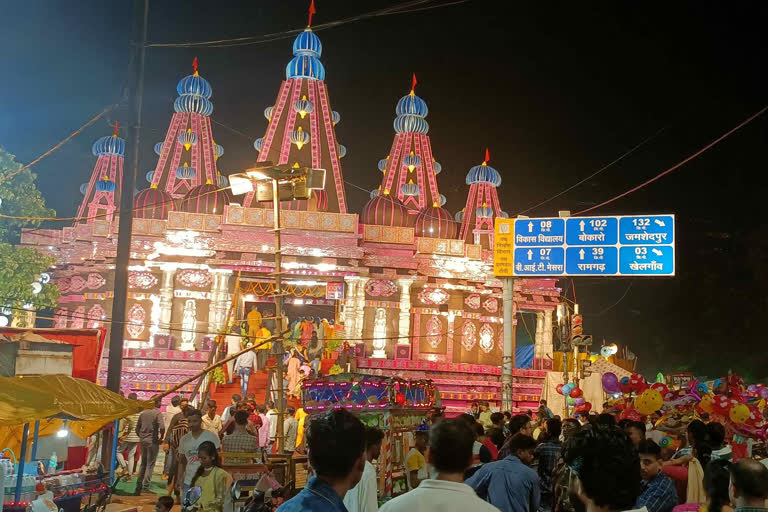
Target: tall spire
[[101, 194], [482, 206], [187, 155], [312, 11], [408, 194], [301, 129]]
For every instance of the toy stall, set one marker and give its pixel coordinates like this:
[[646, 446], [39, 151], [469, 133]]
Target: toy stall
[[397, 406]]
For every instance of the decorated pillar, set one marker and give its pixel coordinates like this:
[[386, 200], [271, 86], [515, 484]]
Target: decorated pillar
[[350, 306], [359, 310], [404, 323], [539, 335], [217, 315], [547, 348], [166, 300]]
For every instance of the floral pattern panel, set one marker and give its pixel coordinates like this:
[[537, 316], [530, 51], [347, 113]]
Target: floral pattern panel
[[491, 305], [194, 278], [433, 296], [60, 318], [380, 288], [472, 301], [78, 316], [136, 318], [486, 338], [95, 316], [434, 332], [468, 336], [142, 280]]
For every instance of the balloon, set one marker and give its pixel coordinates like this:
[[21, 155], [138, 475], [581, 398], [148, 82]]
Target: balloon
[[764, 393], [702, 388], [739, 413], [649, 401], [661, 388], [707, 403], [586, 406], [578, 401], [559, 389], [575, 393], [610, 383], [629, 414], [665, 442], [567, 388], [570, 401], [752, 388]]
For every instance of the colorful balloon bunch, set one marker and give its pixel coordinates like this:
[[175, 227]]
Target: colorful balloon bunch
[[574, 397]]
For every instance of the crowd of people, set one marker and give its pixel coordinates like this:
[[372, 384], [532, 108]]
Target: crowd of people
[[484, 460]]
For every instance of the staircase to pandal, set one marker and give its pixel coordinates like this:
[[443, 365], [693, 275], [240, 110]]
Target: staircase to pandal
[[461, 384], [149, 371]]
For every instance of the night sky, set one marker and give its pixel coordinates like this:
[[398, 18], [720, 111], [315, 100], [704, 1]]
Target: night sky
[[556, 91]]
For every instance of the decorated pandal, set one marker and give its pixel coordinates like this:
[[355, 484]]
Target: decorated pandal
[[406, 283]]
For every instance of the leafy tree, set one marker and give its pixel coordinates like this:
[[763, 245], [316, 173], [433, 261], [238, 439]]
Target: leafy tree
[[21, 266]]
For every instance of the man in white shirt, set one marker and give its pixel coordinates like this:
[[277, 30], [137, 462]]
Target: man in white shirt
[[234, 345], [188, 445], [244, 365], [211, 420], [450, 453], [364, 496]]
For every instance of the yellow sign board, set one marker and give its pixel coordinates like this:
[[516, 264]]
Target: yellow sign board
[[503, 247]]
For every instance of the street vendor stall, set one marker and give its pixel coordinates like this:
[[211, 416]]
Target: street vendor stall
[[54, 404], [398, 407]]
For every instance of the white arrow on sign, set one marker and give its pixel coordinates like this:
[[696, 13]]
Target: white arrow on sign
[[581, 226], [581, 254], [530, 227], [659, 222], [530, 254]]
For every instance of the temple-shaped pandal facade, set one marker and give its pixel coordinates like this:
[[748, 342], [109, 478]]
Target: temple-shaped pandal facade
[[407, 284]]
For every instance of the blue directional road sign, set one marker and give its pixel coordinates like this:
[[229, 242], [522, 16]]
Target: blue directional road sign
[[632, 245], [647, 230], [602, 261], [592, 231], [539, 232], [647, 260], [539, 261]]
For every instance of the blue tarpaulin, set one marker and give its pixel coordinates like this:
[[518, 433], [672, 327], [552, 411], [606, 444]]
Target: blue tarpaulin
[[524, 356]]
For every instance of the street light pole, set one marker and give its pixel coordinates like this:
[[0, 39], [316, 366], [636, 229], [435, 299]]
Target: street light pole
[[277, 346]]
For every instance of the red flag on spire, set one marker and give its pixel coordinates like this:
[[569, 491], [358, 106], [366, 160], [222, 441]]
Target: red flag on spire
[[311, 12], [487, 155], [114, 134], [194, 65], [413, 82]]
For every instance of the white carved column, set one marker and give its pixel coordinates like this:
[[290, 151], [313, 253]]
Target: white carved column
[[360, 309], [538, 335], [166, 300], [350, 305], [217, 313], [547, 348], [404, 323]]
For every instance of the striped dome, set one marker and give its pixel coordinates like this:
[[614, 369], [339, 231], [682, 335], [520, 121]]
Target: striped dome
[[411, 161], [195, 85], [158, 148], [383, 163], [443, 200], [192, 103], [303, 106], [83, 188], [412, 104], [150, 176], [410, 189], [223, 181], [268, 113], [437, 167], [385, 211], [105, 185], [188, 138], [459, 215], [206, 198], [504, 215], [299, 137], [305, 66], [342, 150], [110, 145], [307, 43], [218, 150], [375, 193], [152, 203], [185, 172], [408, 123], [435, 222], [484, 212], [335, 117], [483, 174]]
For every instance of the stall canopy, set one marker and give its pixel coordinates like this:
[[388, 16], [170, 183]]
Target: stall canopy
[[53, 398]]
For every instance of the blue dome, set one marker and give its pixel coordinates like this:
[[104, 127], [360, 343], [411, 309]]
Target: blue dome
[[83, 188], [307, 43], [375, 193], [504, 215], [150, 175], [268, 113], [484, 212], [218, 150], [258, 144], [185, 173], [109, 145], [193, 103], [299, 137], [411, 161], [335, 117], [105, 186], [223, 181], [196, 85], [383, 163], [305, 66], [188, 138], [412, 104], [342, 151], [443, 200], [459, 215], [483, 174], [410, 189], [158, 148], [408, 123], [437, 167], [303, 105]]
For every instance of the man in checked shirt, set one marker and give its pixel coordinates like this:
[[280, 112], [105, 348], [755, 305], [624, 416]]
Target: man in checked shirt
[[240, 441]]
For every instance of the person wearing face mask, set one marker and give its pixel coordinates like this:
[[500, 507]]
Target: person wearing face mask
[[510, 484]]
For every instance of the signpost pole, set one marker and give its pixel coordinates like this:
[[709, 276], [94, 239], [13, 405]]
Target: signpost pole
[[508, 355]]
